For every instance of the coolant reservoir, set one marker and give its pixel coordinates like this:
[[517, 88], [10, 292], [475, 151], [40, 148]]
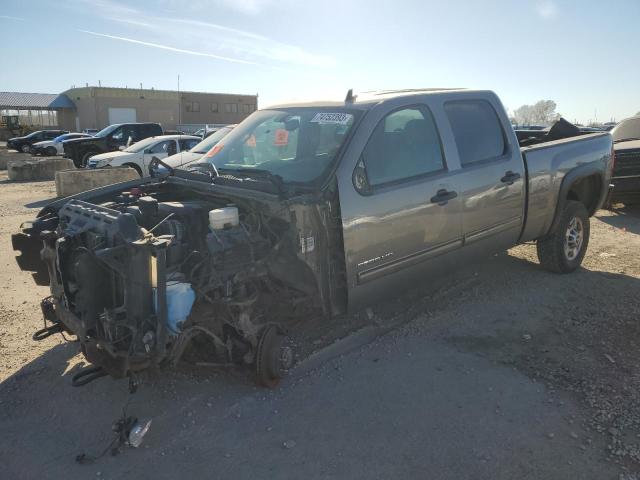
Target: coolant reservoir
[[223, 217]]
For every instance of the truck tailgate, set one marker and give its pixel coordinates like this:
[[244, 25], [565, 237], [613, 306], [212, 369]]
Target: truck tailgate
[[548, 164]]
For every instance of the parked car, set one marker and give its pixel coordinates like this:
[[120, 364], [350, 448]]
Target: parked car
[[23, 144], [186, 157], [301, 211], [109, 139], [138, 156], [54, 147], [626, 173]]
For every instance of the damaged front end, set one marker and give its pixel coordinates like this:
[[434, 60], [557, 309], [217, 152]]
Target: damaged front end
[[146, 277]]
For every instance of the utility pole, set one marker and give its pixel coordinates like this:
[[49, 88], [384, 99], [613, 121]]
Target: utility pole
[[179, 103]]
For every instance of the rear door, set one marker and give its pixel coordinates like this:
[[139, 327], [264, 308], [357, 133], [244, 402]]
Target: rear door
[[492, 173], [399, 205]]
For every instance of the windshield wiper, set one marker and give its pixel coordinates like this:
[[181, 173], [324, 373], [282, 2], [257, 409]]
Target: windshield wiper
[[275, 179], [626, 139]]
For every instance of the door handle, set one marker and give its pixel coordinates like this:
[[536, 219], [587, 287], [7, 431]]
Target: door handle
[[442, 196], [510, 177]]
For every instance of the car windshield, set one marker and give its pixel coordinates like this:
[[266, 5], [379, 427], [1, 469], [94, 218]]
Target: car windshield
[[297, 144], [106, 131], [205, 145], [141, 145]]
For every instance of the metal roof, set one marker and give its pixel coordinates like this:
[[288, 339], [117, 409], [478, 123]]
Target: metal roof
[[50, 101]]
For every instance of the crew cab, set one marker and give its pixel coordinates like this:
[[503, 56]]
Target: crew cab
[[626, 173], [114, 137], [138, 156], [305, 210]]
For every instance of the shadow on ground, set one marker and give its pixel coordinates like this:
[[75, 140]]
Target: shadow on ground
[[626, 217]]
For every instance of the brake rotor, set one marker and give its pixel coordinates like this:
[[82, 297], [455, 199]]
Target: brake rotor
[[274, 357]]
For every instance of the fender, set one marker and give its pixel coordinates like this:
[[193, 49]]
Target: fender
[[576, 174]]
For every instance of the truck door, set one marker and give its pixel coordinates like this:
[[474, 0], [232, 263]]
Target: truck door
[[492, 174], [399, 205]]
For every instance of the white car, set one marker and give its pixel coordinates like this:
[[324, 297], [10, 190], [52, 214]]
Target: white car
[[54, 147], [139, 155], [181, 159]]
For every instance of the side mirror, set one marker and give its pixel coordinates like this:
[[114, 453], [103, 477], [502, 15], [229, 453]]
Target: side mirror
[[121, 147]]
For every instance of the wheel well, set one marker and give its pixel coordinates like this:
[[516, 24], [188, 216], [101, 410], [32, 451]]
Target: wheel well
[[134, 166], [586, 190]]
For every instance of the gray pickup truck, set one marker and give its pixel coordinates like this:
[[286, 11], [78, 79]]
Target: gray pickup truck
[[323, 207]]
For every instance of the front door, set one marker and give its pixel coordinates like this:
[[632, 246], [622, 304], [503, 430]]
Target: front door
[[491, 177], [400, 208], [160, 150]]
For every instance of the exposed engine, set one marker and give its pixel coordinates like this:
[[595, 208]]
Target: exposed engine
[[143, 281]]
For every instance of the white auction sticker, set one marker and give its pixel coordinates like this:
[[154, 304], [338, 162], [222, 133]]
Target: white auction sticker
[[335, 118]]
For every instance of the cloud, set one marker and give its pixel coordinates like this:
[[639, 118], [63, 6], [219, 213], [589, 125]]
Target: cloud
[[248, 7], [195, 37], [9, 17], [547, 9], [168, 47]]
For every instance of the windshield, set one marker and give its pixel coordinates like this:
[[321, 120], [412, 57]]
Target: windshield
[[627, 129], [141, 145], [106, 131], [205, 145], [298, 144]]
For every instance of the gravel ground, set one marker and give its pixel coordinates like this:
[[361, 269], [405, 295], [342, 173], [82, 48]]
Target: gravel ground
[[506, 372]]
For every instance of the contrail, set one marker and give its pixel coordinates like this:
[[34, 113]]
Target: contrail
[[167, 47]]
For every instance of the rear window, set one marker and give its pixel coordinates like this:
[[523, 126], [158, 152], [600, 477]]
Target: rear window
[[476, 129]]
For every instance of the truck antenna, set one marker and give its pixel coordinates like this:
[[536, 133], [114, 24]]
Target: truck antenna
[[350, 98]]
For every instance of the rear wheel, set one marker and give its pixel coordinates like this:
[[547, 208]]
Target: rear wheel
[[51, 151], [562, 250]]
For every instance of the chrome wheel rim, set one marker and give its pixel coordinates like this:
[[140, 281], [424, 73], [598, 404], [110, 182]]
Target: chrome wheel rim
[[574, 238]]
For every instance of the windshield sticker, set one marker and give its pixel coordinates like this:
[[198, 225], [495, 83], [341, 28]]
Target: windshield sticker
[[251, 141], [334, 118], [214, 150], [282, 137]]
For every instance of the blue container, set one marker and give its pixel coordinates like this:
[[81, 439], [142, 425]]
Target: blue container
[[180, 299]]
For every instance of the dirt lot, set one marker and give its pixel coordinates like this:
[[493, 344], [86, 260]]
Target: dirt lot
[[506, 372]]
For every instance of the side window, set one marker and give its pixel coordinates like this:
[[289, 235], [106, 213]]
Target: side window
[[118, 135], [476, 129], [188, 144], [160, 147], [405, 144]]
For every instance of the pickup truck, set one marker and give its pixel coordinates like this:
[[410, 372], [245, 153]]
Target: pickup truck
[[323, 207], [626, 172], [112, 138]]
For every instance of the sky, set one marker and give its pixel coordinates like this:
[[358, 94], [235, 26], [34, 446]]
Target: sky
[[582, 54]]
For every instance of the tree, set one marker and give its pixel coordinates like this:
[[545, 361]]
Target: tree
[[541, 113]]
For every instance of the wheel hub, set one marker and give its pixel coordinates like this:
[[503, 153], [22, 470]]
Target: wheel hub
[[574, 238], [274, 357]]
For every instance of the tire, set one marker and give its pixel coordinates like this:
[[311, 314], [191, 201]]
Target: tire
[[25, 148], [51, 151], [85, 159], [135, 167], [563, 249]]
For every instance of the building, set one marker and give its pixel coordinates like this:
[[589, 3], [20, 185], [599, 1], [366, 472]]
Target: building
[[97, 107]]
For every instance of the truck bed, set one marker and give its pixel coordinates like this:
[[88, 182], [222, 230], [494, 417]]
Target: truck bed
[[548, 163]]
